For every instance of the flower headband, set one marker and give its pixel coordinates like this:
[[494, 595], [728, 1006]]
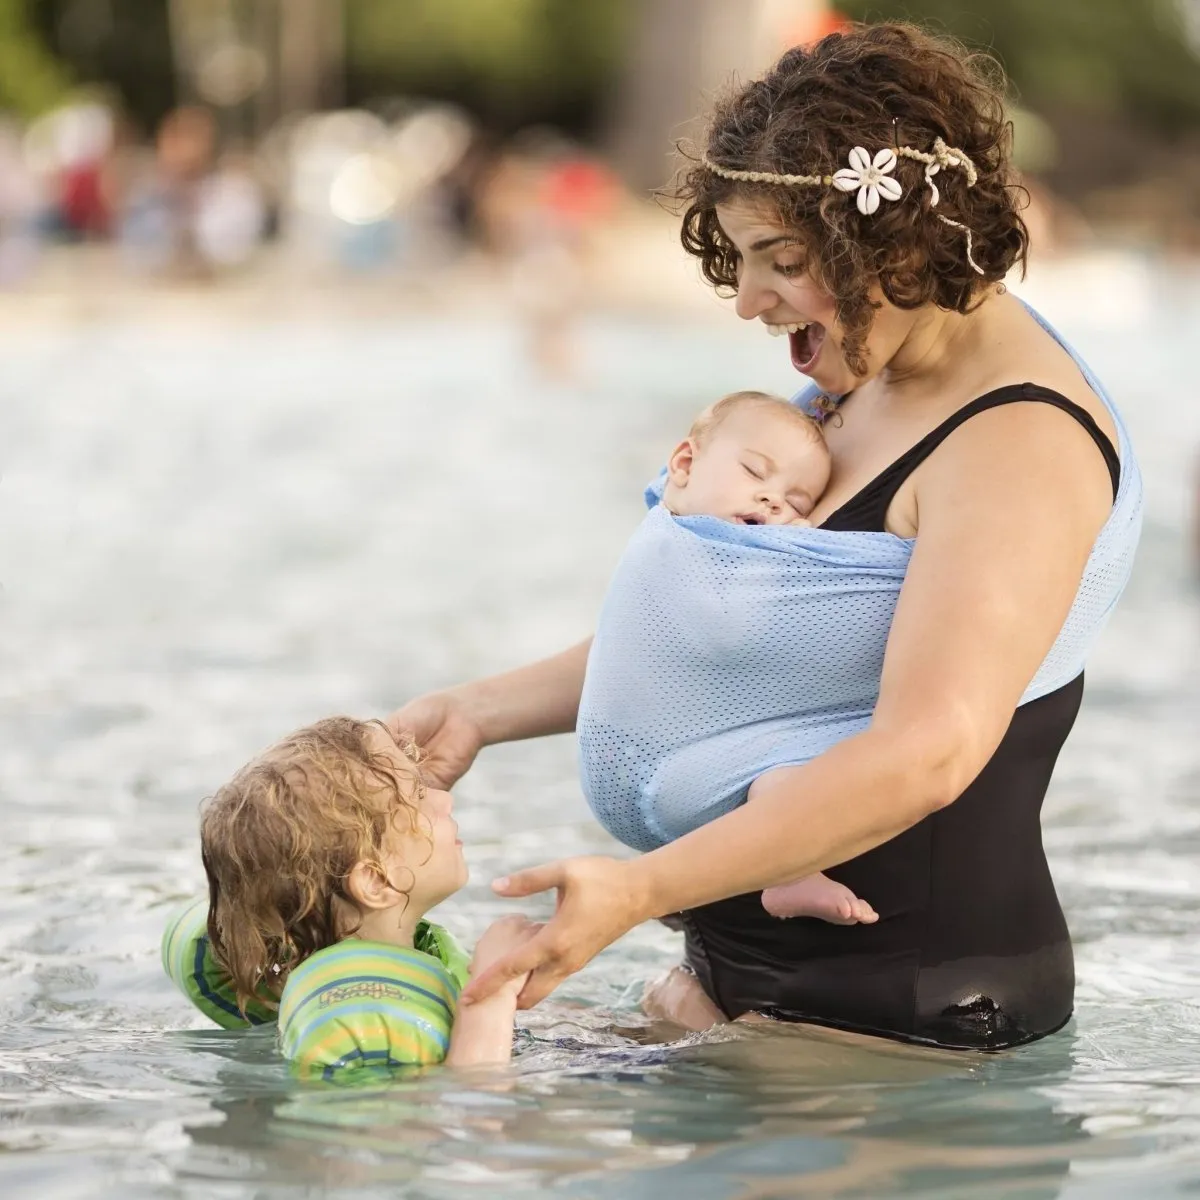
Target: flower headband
[[871, 178]]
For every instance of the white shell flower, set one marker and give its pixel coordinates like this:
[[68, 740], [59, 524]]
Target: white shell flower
[[869, 179]]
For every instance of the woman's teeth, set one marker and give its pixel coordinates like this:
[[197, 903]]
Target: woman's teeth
[[779, 330]]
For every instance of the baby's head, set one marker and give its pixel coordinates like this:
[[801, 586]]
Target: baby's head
[[330, 833], [751, 458]]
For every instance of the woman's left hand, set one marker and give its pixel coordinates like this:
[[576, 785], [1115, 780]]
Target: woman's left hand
[[597, 903]]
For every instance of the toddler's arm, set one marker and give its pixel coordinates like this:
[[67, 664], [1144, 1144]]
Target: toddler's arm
[[483, 1031]]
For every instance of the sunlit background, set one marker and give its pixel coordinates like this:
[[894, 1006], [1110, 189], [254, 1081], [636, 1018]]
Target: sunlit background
[[337, 339]]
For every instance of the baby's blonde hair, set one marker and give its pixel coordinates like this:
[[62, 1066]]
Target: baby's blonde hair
[[710, 420], [281, 838]]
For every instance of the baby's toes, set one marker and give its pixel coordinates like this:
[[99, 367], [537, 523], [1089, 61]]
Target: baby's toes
[[864, 914]]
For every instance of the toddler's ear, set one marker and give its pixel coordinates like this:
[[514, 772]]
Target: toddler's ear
[[369, 887], [679, 465]]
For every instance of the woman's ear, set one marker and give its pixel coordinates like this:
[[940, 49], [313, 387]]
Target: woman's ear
[[679, 465]]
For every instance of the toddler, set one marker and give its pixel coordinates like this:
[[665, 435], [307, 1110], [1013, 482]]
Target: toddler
[[323, 856], [756, 459]]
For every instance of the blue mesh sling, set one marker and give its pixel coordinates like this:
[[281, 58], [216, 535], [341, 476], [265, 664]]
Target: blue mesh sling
[[723, 651]]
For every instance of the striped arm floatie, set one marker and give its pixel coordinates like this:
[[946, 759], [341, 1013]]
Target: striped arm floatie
[[188, 959]]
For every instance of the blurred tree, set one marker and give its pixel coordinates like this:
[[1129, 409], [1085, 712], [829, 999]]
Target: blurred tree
[[516, 62], [1123, 58], [513, 61], [124, 44], [681, 53], [31, 78]]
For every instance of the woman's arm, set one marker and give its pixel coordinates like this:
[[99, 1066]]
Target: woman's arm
[[451, 727], [1009, 510], [532, 701]]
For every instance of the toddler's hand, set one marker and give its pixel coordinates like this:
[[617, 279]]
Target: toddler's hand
[[499, 939]]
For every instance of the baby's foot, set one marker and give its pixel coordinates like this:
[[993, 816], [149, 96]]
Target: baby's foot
[[821, 897]]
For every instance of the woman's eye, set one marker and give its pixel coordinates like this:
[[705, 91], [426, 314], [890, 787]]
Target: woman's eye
[[790, 269]]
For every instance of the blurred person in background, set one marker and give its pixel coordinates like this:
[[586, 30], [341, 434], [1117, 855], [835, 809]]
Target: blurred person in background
[[158, 231], [20, 203], [71, 150], [191, 211], [540, 205], [231, 215]]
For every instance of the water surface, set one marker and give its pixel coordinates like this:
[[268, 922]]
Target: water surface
[[210, 535]]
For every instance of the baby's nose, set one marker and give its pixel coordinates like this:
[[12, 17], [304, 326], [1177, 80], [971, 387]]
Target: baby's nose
[[771, 501]]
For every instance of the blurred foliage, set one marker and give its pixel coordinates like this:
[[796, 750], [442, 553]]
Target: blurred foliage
[[124, 44], [520, 61], [32, 78], [512, 61], [1108, 57]]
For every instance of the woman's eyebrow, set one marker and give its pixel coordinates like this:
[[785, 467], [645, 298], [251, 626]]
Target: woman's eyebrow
[[767, 242]]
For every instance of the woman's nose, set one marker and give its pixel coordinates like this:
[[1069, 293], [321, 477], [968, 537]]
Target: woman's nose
[[752, 300]]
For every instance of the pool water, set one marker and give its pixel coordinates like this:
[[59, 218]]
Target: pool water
[[213, 534]]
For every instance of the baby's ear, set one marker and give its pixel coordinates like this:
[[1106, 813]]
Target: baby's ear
[[679, 465]]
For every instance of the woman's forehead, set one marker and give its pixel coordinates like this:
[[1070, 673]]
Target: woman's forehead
[[747, 221]]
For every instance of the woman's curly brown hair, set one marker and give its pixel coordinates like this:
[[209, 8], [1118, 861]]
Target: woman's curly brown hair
[[280, 839], [875, 86]]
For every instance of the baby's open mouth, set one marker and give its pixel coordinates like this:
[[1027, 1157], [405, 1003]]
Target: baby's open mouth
[[750, 519]]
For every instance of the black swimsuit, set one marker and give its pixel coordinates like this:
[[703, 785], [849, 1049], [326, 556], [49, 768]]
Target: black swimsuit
[[971, 950]]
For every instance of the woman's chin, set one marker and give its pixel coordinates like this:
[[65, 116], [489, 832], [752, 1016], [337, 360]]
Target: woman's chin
[[832, 383]]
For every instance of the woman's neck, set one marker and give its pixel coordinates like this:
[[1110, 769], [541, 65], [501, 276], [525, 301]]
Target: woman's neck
[[936, 343]]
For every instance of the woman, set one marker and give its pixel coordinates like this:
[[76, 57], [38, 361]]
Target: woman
[[859, 195]]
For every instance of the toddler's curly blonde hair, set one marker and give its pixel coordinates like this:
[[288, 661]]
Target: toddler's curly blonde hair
[[281, 838]]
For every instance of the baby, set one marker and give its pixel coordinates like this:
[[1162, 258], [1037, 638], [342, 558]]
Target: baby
[[332, 839], [756, 459]]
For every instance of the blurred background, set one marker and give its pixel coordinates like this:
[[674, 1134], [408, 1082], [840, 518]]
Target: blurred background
[[306, 144]]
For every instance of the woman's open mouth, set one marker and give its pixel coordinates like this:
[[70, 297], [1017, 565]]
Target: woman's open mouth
[[805, 344]]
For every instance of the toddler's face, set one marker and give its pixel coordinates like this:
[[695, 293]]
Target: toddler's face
[[432, 852], [758, 467]]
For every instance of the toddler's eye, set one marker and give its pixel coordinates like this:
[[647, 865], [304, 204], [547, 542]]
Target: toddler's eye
[[751, 471]]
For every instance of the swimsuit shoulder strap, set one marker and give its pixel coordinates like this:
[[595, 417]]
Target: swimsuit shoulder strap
[[866, 510]]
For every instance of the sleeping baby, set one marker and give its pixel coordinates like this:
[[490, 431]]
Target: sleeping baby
[[756, 459]]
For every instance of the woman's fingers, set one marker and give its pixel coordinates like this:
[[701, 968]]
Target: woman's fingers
[[541, 983], [596, 905], [530, 881], [515, 965]]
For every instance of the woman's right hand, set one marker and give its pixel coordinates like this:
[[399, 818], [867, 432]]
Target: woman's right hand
[[448, 735], [599, 899]]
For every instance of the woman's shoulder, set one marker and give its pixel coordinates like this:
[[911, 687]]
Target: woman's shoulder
[[1028, 349]]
